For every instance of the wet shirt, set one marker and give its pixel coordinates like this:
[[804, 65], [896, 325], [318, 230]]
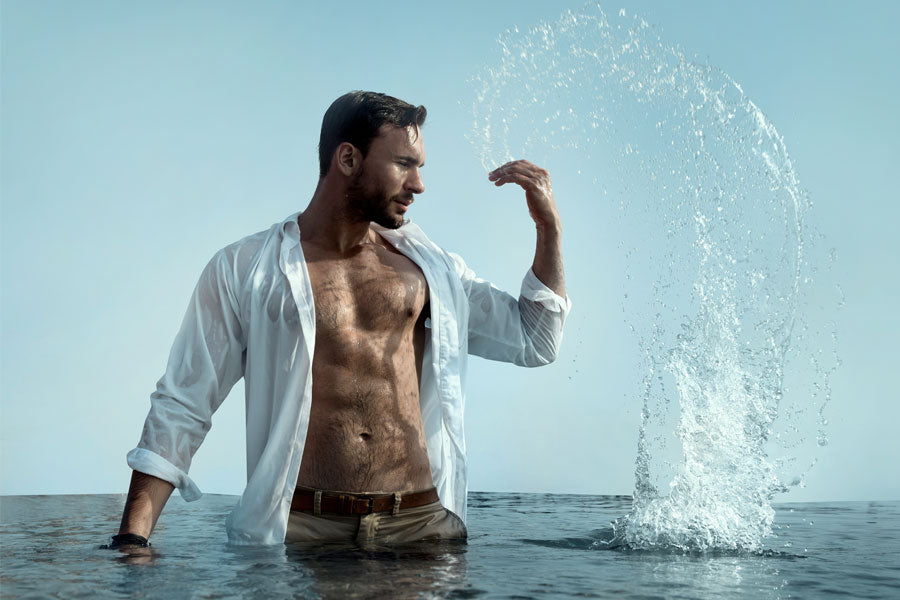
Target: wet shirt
[[252, 316]]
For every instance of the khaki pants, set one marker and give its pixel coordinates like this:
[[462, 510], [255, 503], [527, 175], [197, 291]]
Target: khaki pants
[[427, 522]]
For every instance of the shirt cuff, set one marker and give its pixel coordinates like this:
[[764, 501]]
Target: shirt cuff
[[151, 463], [534, 289]]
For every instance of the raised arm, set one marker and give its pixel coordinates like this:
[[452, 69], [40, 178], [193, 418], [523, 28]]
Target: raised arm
[[526, 330], [547, 266]]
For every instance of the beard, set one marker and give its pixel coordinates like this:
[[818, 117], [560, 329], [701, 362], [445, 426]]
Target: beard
[[372, 203]]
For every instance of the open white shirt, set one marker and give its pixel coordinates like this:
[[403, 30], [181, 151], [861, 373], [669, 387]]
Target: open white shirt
[[252, 315]]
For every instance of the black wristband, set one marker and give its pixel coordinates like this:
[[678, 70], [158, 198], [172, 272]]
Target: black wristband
[[128, 539]]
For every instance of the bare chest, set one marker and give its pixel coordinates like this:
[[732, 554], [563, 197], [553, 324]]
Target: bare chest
[[375, 289]]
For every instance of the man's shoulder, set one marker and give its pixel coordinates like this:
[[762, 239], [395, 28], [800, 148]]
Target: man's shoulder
[[246, 253], [252, 242]]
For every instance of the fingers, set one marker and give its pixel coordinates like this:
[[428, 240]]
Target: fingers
[[518, 166], [522, 163], [538, 190], [519, 178], [522, 172]]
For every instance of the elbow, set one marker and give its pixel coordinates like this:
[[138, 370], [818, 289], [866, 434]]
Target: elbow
[[540, 356], [539, 362], [543, 332]]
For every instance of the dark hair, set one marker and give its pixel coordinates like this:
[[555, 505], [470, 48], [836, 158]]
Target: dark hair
[[357, 116]]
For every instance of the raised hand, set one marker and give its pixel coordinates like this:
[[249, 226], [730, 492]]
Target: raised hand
[[535, 181], [538, 190]]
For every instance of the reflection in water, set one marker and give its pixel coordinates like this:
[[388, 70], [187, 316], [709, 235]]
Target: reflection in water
[[424, 569], [135, 556], [722, 263], [697, 574], [416, 570], [716, 577]]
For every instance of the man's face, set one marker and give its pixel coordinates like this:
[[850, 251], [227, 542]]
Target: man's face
[[383, 188]]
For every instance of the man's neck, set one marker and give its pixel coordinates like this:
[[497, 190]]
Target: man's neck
[[330, 223]]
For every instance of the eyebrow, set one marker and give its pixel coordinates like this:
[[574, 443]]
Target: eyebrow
[[410, 158]]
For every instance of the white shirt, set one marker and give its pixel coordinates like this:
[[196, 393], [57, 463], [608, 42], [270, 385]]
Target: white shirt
[[252, 316]]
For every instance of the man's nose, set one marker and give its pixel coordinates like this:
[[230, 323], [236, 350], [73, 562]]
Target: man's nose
[[414, 183]]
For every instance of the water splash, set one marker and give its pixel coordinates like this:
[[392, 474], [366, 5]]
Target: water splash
[[722, 274]]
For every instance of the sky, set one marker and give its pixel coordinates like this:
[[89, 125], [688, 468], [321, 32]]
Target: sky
[[139, 138]]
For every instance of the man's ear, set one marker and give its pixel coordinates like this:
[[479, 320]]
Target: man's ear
[[348, 158]]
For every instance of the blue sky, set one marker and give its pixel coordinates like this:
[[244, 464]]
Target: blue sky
[[138, 138]]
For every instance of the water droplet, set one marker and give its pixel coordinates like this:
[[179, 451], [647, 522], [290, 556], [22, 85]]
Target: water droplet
[[715, 371]]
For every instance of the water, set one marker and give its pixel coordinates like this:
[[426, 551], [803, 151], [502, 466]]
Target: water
[[521, 545], [726, 283], [726, 290]]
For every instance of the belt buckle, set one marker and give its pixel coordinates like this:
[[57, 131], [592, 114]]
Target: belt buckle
[[347, 504]]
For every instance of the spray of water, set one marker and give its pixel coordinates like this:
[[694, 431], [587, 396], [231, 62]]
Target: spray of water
[[721, 263]]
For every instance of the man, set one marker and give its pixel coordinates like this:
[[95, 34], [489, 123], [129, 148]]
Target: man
[[351, 329]]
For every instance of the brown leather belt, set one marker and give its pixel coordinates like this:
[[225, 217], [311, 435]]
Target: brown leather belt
[[359, 504]]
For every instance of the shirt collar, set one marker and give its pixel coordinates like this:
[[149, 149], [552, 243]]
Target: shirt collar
[[290, 231]]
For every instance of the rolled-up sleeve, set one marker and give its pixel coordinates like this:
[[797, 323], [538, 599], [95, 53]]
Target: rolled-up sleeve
[[206, 360], [526, 331]]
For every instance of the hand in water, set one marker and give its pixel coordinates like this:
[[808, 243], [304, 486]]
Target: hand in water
[[538, 191], [135, 551]]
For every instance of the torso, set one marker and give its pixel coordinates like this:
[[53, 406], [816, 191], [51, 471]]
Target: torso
[[365, 429]]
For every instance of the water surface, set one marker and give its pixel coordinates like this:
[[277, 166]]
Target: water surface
[[520, 546]]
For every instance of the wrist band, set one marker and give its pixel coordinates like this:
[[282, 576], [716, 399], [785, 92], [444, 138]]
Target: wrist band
[[128, 539]]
